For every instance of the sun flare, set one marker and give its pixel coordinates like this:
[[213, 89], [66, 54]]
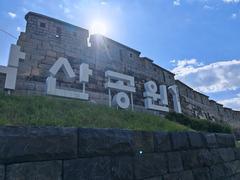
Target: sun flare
[[98, 27]]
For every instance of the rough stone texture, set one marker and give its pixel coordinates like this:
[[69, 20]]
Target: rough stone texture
[[179, 140], [162, 142], [185, 175], [174, 162], [237, 153], [202, 174], [205, 157], [105, 141], [190, 159], [143, 142], [235, 177], [28, 143], [2, 172], [88, 168], [155, 178], [217, 171], [114, 154], [51, 170], [211, 140], [196, 140], [150, 165], [122, 168], [225, 140], [215, 155], [226, 154]]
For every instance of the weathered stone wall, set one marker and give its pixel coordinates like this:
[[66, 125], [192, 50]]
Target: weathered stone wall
[[198, 105], [43, 46], [50, 153], [46, 39]]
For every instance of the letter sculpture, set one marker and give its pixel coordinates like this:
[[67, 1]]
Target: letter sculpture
[[11, 70], [152, 99], [84, 74], [123, 83], [176, 100]]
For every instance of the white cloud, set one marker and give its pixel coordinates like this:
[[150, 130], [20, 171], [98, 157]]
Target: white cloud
[[65, 9], [207, 7], [176, 3], [215, 77], [19, 29], [234, 102], [103, 2], [184, 66], [25, 10], [234, 16], [12, 15], [231, 1]]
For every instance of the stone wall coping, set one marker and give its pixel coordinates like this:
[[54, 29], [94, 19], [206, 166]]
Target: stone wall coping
[[53, 19]]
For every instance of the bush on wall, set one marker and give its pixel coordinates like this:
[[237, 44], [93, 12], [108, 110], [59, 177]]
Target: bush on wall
[[199, 124]]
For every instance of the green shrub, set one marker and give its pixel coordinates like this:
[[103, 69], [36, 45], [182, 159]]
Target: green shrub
[[238, 144], [199, 124]]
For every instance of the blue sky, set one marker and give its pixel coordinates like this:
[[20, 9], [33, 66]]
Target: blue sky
[[196, 39]]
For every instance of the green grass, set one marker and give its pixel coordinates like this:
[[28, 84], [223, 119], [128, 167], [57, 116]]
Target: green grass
[[52, 111], [200, 124], [238, 144]]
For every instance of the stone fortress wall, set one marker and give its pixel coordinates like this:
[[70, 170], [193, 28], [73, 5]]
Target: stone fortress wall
[[46, 39], [51, 153]]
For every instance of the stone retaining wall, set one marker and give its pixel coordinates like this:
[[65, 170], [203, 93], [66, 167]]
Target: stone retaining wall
[[51, 153]]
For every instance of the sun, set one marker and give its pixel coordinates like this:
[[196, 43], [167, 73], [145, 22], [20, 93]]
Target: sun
[[98, 27]]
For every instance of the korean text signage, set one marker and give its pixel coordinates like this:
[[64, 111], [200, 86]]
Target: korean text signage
[[155, 97]]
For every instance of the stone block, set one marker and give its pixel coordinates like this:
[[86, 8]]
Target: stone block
[[225, 140], [201, 174], [150, 165], [48, 170], [162, 142], [122, 168], [143, 142], [18, 144], [49, 60], [210, 140], [226, 154], [232, 168], [87, 168], [40, 87], [51, 53], [174, 162], [35, 71], [237, 153], [179, 140], [205, 157], [155, 178], [190, 159], [217, 171], [2, 172], [235, 177], [104, 141], [184, 175], [216, 158], [196, 140]]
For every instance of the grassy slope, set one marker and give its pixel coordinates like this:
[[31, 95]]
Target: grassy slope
[[52, 111]]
